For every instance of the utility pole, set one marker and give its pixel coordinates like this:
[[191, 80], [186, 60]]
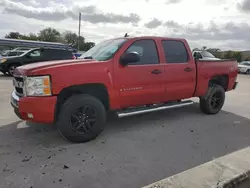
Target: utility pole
[[79, 30]]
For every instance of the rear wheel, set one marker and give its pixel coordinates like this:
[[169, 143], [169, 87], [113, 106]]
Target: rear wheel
[[82, 118], [213, 101]]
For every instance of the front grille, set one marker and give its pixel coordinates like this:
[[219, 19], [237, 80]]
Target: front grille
[[18, 89]]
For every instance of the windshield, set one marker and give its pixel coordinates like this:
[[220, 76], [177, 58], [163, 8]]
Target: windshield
[[104, 50], [245, 63], [207, 54]]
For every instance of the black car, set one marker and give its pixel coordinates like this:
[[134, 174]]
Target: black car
[[13, 53], [8, 64]]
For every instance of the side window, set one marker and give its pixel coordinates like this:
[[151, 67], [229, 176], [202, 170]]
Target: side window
[[147, 51], [35, 53], [65, 54], [12, 54], [175, 51]]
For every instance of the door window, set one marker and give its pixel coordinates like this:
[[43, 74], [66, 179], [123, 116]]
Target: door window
[[35, 53], [147, 51], [175, 51]]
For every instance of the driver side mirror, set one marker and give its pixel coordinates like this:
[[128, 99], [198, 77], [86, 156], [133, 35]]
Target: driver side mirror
[[130, 57]]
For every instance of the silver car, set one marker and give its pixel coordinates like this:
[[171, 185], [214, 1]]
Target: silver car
[[244, 67]]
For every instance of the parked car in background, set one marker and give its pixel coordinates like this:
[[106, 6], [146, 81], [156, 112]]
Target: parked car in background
[[204, 55], [22, 49], [13, 53], [8, 64], [244, 67], [5, 52], [128, 76]]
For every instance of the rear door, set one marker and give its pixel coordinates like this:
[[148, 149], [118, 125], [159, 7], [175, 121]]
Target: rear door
[[180, 70], [51, 54], [141, 82]]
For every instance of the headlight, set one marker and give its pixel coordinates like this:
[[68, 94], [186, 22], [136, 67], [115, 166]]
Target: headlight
[[3, 60], [37, 86]]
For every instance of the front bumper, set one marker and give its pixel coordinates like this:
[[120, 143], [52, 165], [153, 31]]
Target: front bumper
[[34, 109], [3, 67], [235, 85]]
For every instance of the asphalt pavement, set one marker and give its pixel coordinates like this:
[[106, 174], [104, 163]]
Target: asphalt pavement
[[131, 152]]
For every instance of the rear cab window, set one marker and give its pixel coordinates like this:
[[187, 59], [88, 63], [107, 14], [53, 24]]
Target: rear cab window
[[175, 51]]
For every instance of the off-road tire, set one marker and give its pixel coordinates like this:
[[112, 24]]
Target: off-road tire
[[64, 123], [206, 101]]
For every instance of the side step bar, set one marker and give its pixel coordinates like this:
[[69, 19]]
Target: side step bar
[[137, 111]]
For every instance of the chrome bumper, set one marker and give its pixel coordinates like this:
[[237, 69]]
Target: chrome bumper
[[14, 99]]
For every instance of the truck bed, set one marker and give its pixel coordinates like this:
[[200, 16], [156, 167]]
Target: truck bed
[[207, 69]]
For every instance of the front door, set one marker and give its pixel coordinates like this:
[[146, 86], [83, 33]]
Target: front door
[[140, 83], [34, 56], [180, 70]]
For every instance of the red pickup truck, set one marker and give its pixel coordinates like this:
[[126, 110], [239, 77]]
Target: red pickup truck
[[129, 76]]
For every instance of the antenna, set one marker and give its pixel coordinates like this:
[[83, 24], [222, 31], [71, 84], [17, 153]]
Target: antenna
[[126, 35]]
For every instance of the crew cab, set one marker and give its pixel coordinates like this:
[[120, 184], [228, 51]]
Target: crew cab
[[128, 76]]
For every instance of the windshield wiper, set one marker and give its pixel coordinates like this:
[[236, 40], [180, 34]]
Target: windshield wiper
[[88, 57]]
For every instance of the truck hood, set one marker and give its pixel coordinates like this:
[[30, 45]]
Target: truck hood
[[27, 69]]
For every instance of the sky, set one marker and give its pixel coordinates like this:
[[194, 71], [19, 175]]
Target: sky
[[223, 24]]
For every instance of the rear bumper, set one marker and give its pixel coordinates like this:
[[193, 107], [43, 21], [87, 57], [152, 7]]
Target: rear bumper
[[34, 109]]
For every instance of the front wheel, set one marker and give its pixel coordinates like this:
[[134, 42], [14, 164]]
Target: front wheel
[[82, 118], [11, 69], [213, 101], [248, 72]]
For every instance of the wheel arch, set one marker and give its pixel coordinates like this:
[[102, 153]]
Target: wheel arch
[[97, 90], [221, 80]]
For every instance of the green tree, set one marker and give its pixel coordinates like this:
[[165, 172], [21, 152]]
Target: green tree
[[233, 55], [13, 35], [87, 46], [204, 48], [52, 35], [213, 50], [49, 35], [31, 36], [70, 37], [238, 57]]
